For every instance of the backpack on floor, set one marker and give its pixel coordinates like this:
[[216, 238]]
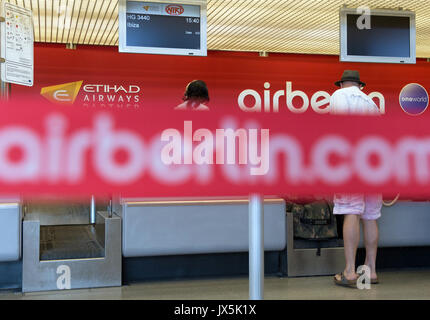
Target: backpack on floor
[[314, 221]]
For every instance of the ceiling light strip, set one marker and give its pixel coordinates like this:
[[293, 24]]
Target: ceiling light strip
[[283, 34], [245, 39], [226, 27], [228, 6], [102, 22], [83, 22], [72, 20], [58, 16], [76, 24], [89, 22], [111, 28], [45, 29], [264, 11], [68, 20], [96, 20], [49, 5], [257, 26], [64, 23], [109, 22], [114, 40], [214, 11]]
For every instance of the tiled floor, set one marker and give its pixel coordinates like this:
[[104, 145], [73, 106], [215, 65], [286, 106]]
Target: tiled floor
[[394, 285]]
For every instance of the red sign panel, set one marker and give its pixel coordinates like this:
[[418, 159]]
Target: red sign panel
[[209, 153], [99, 121]]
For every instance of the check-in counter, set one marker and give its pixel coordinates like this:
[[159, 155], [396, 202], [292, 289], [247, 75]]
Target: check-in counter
[[196, 226], [59, 239], [405, 224], [10, 231], [180, 227], [174, 227]]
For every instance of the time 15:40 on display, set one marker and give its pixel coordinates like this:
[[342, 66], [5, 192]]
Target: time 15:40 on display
[[192, 20]]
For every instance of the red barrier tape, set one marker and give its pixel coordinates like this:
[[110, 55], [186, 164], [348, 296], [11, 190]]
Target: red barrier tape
[[159, 154]]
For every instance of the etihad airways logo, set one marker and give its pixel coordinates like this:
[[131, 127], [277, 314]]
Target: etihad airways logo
[[94, 95], [63, 93]]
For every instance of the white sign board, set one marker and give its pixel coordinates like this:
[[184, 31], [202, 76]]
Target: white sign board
[[17, 42]]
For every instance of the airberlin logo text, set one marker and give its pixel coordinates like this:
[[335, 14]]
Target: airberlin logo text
[[174, 156], [94, 95], [270, 100], [120, 156]]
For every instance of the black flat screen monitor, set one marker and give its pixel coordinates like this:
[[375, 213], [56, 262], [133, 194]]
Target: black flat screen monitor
[[163, 27], [390, 38]]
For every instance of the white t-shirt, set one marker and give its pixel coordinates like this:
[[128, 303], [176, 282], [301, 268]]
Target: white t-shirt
[[352, 100], [344, 101]]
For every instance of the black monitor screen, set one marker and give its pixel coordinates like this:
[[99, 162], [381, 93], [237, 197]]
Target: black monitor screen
[[389, 36], [162, 25]]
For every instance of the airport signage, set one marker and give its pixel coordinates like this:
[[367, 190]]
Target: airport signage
[[209, 153], [285, 85], [16, 42]]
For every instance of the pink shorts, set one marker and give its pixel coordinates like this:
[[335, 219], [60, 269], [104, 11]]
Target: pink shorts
[[369, 206]]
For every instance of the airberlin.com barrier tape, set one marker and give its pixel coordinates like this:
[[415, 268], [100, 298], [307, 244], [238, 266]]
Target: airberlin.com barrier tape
[[67, 152]]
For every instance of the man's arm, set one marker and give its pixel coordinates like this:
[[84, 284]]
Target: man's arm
[[372, 108]]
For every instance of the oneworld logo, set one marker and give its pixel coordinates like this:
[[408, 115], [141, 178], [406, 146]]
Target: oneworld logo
[[174, 10], [414, 99]]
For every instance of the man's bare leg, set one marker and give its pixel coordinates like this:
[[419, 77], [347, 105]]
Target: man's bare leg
[[351, 238], [371, 235]]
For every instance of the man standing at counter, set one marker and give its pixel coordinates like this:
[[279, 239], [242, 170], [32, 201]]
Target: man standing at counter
[[355, 207]]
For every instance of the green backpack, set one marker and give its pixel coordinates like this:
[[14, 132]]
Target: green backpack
[[314, 221]]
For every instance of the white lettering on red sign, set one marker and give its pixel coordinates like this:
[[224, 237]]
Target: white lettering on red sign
[[319, 101], [173, 157]]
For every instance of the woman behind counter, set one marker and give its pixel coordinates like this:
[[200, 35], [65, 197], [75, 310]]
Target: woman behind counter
[[195, 96]]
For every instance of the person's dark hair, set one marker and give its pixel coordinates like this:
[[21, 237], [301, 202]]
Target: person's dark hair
[[196, 90]]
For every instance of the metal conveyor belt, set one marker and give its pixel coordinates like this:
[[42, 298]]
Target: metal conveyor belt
[[69, 242]]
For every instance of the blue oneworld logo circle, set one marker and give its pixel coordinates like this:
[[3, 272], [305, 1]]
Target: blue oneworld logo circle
[[414, 99]]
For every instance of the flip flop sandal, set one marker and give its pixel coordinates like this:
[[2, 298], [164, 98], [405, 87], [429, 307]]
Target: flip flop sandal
[[344, 282], [372, 281]]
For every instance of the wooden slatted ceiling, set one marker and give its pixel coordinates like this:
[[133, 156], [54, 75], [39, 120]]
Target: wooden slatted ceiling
[[293, 26]]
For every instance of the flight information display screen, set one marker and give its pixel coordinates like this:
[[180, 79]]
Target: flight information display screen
[[379, 36], [163, 26], [389, 36]]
